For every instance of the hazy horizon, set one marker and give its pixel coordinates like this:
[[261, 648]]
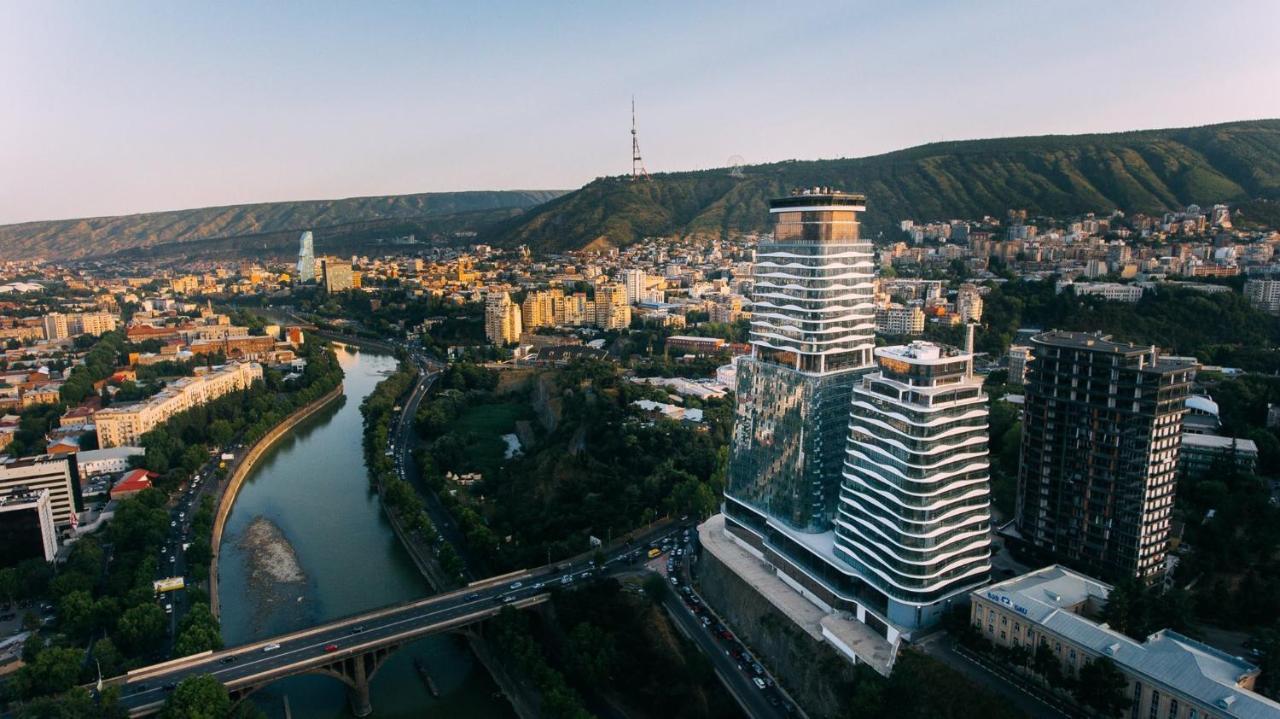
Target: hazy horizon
[[131, 108]]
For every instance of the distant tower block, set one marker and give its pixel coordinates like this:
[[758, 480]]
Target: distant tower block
[[306, 258], [637, 165]]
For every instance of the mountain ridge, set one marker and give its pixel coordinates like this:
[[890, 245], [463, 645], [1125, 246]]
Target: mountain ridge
[[85, 237], [1137, 170]]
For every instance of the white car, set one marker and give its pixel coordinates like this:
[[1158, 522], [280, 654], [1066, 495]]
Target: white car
[[271, 647]]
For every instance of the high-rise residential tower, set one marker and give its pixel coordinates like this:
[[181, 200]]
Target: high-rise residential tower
[[915, 505], [1102, 426], [858, 475], [812, 331], [306, 258]]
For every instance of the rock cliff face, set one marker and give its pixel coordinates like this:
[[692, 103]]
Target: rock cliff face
[[809, 670]]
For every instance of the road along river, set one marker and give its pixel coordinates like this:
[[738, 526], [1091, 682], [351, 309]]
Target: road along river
[[307, 542]]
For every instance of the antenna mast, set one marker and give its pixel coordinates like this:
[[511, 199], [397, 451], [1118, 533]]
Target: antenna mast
[[637, 165]]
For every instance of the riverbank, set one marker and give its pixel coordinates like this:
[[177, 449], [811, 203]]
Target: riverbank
[[242, 470]]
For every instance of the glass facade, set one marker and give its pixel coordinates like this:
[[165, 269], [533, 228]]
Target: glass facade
[[788, 442], [813, 328]]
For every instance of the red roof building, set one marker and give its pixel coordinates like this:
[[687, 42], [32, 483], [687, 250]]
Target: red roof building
[[133, 482]]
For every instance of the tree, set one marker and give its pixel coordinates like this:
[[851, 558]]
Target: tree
[[1102, 686], [141, 628], [592, 654], [199, 632], [73, 704], [1045, 663], [197, 697], [54, 670], [75, 613], [693, 498]]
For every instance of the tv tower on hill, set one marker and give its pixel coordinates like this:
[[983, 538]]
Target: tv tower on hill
[[637, 165]]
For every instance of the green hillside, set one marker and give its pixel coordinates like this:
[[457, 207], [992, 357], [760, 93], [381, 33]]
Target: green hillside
[[1151, 171], [98, 236]]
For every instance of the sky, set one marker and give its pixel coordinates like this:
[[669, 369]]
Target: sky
[[111, 108]]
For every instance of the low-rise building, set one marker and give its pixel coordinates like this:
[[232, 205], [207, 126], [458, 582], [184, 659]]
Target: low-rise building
[[695, 345], [132, 483], [1201, 453], [1167, 675], [106, 461]]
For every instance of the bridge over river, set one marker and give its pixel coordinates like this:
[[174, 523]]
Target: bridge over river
[[352, 649]]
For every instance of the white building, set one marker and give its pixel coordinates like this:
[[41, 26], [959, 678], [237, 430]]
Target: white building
[[503, 320], [897, 320], [915, 505], [26, 525], [1263, 294], [1113, 291], [56, 475], [106, 461]]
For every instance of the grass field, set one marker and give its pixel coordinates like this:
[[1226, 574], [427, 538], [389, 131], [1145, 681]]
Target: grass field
[[483, 425]]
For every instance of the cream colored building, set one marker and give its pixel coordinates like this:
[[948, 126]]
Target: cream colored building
[[502, 319], [125, 424], [1168, 676]]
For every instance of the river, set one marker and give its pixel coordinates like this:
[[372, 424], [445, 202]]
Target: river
[[307, 542]]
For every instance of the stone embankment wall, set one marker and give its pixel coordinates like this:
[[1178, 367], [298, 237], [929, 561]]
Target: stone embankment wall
[[242, 470], [811, 671]]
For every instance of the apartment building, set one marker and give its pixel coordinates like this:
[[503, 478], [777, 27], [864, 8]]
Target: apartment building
[[125, 424], [1102, 424]]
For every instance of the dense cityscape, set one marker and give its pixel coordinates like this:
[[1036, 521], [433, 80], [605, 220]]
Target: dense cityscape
[[449, 360], [989, 443]]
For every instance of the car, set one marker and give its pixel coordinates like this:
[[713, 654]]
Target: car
[[168, 608], [473, 596], [758, 682], [357, 629], [566, 579], [539, 585], [757, 669], [271, 647], [516, 585], [507, 599], [174, 523], [330, 648], [170, 686], [228, 659]]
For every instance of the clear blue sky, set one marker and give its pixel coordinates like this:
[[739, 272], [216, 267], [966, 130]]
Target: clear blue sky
[[116, 107]]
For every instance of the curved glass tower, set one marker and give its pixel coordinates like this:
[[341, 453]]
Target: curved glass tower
[[915, 505], [812, 332]]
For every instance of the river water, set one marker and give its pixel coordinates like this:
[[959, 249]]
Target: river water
[[307, 542]]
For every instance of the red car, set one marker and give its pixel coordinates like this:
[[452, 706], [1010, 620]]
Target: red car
[[331, 647]]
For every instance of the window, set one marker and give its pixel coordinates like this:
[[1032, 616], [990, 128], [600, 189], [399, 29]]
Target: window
[[1004, 621], [1002, 634], [1137, 699], [1072, 655], [1155, 704], [1173, 709], [991, 629]]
